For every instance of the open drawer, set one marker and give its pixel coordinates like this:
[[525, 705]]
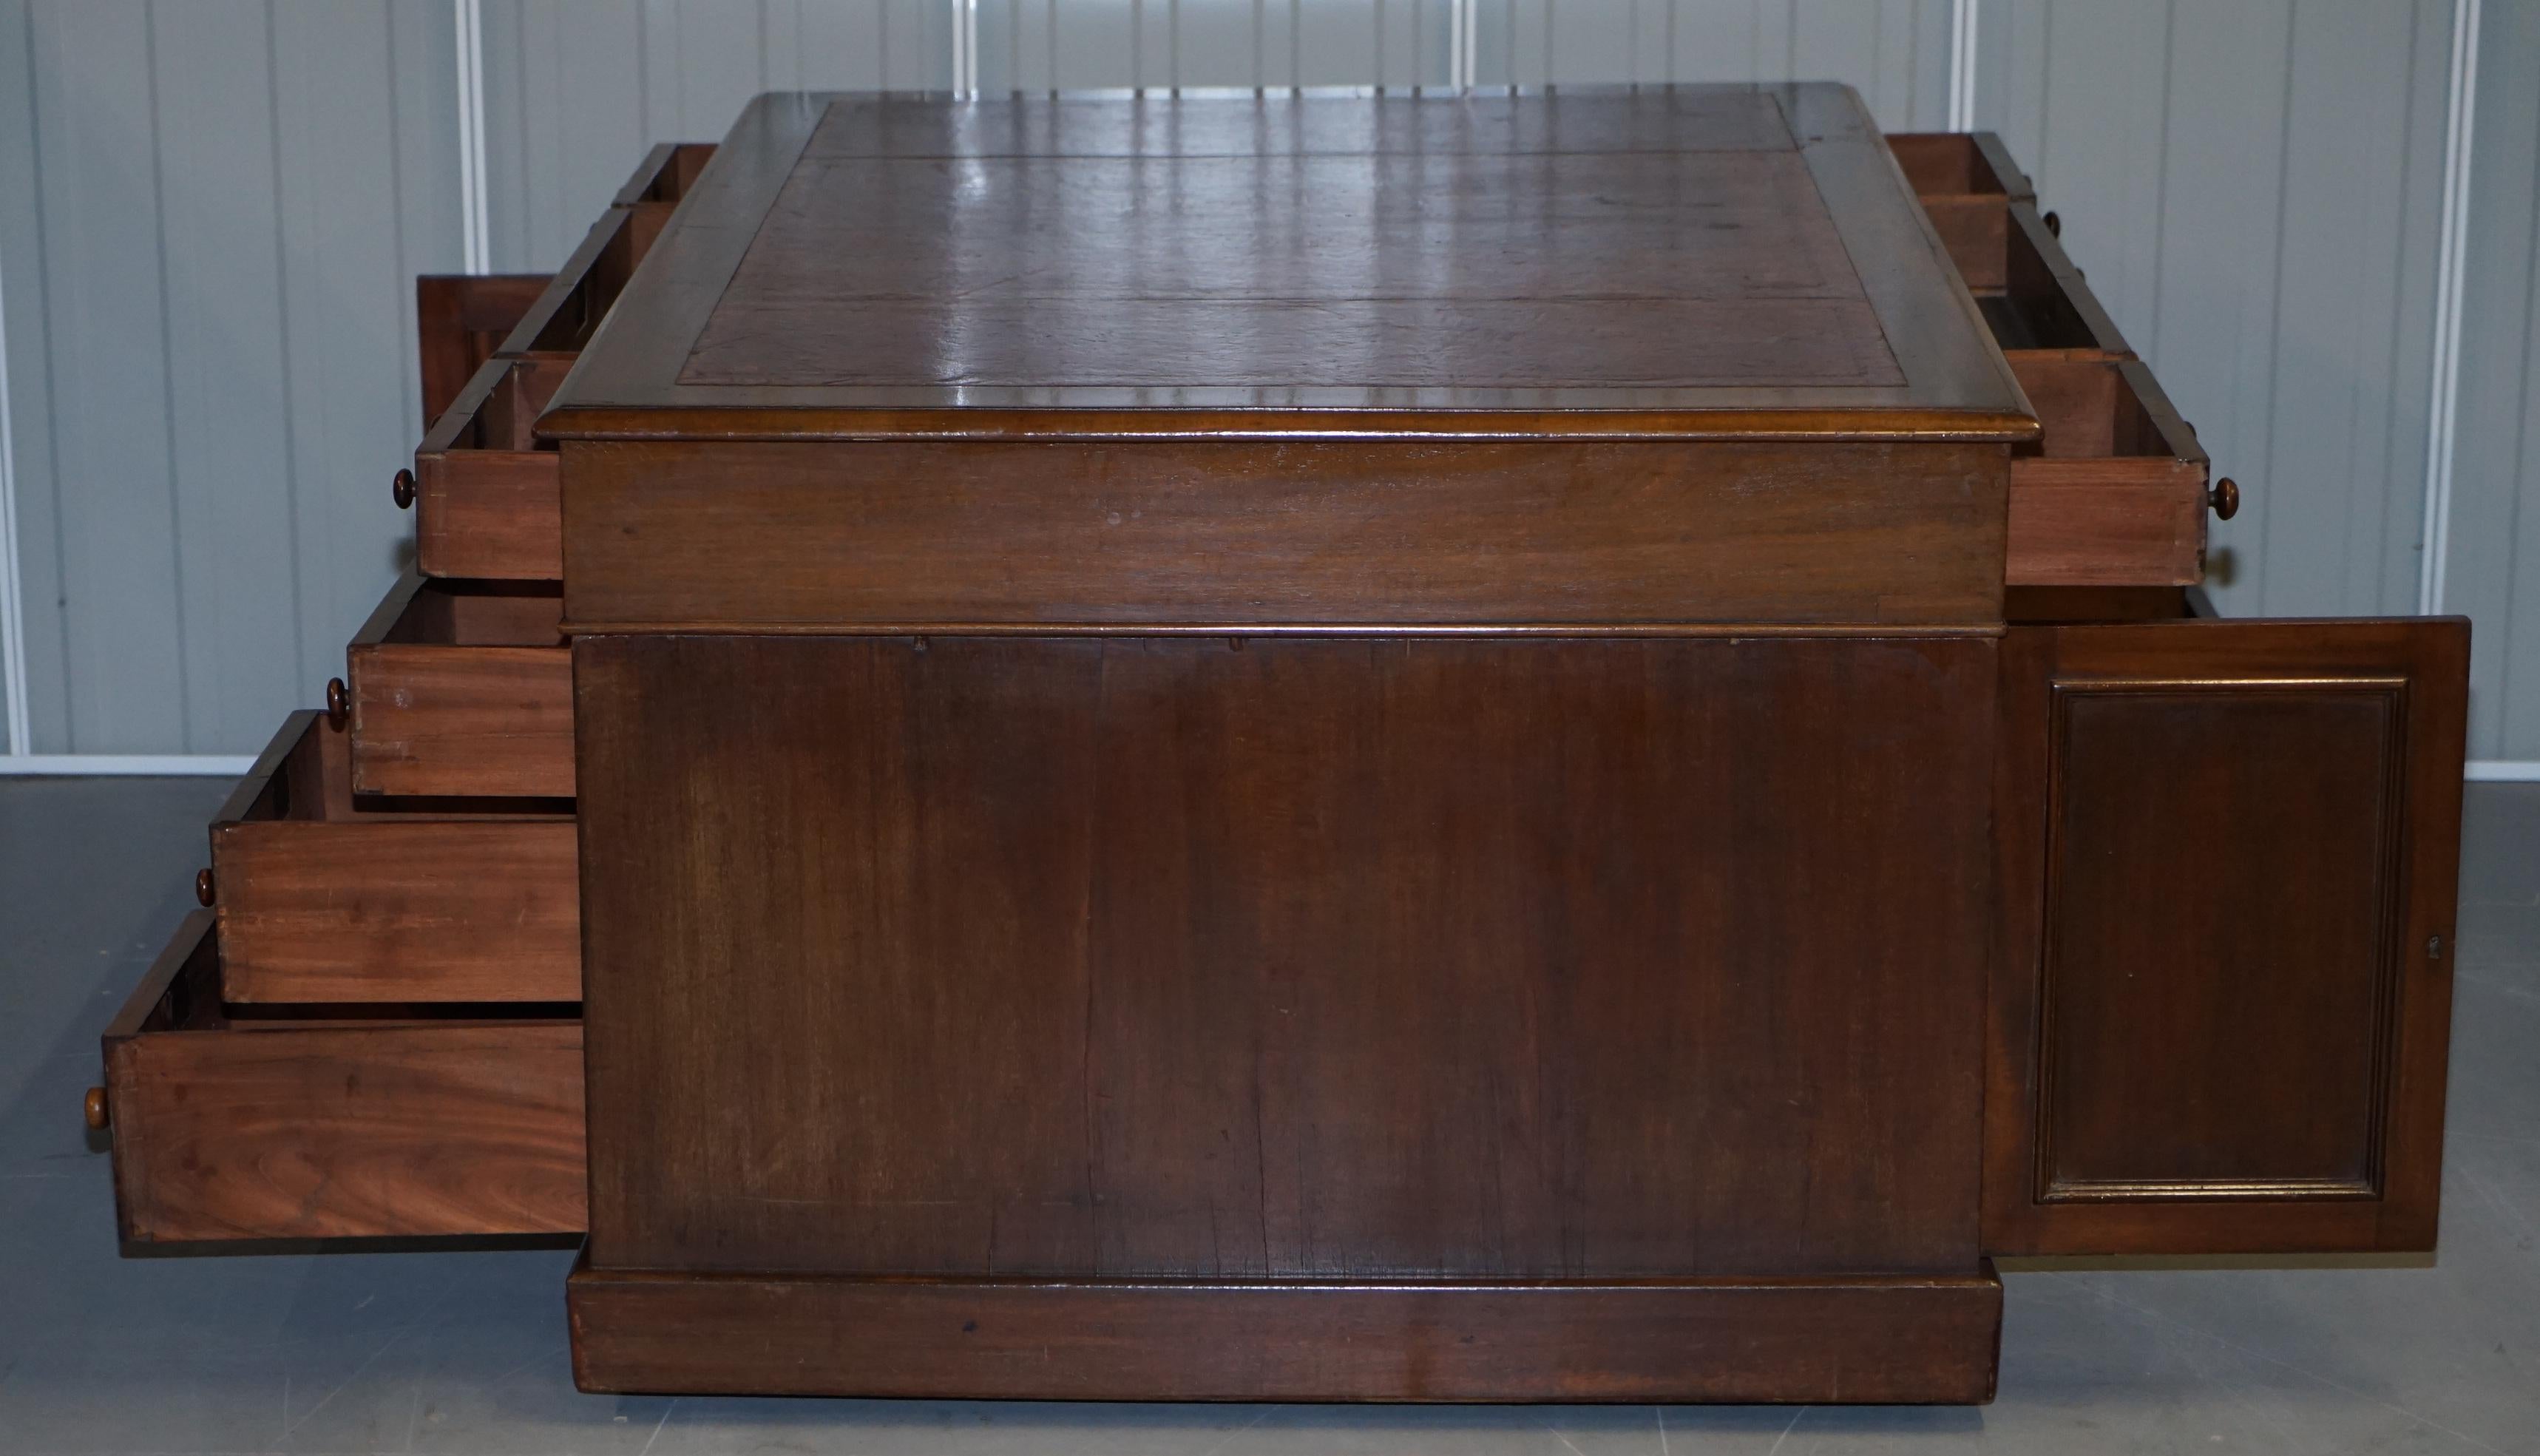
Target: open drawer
[[326, 896], [2221, 1007], [2114, 492], [485, 494], [2035, 298], [584, 289], [665, 176], [459, 319], [462, 689], [333, 1121], [1967, 181], [2006, 250]]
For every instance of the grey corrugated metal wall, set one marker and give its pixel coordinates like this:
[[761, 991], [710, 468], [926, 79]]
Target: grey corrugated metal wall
[[2494, 569], [215, 208], [210, 365]]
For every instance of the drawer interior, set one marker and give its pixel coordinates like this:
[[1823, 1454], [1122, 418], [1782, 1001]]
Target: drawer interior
[[182, 996], [667, 174], [304, 776], [2113, 492], [459, 319], [584, 289], [326, 896], [469, 614], [461, 687], [486, 491], [654, 191], [2031, 295], [1958, 164], [1980, 203], [2098, 408], [499, 408]]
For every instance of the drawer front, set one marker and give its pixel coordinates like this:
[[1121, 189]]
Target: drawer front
[[487, 499], [2116, 495], [334, 1130], [321, 899], [468, 720], [2220, 1025], [459, 319], [462, 693]]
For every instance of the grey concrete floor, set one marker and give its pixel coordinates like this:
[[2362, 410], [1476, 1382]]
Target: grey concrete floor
[[465, 1351]]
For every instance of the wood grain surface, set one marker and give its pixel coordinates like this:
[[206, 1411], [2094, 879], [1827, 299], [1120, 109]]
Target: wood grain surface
[[1814, 1341], [459, 319], [920, 535], [462, 689], [2114, 492], [1431, 958], [2224, 1028], [488, 500], [380, 1128]]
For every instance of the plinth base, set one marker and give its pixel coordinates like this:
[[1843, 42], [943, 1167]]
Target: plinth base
[[1821, 1341]]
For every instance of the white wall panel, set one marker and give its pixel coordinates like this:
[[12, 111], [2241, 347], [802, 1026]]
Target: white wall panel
[[575, 94], [41, 600], [210, 346], [2253, 190], [2494, 566], [1895, 52], [1080, 45], [113, 516]]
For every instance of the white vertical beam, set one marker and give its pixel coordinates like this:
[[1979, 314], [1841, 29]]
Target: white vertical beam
[[13, 604], [1459, 44], [474, 243], [966, 47], [2458, 136], [1962, 65]]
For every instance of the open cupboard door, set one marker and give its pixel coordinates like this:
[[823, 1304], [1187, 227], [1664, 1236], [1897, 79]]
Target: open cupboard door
[[2221, 1012]]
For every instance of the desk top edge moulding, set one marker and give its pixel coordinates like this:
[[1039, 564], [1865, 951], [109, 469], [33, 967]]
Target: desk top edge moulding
[[1315, 745]]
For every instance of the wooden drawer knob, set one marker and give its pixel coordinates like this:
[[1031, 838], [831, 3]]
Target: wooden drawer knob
[[2224, 498], [338, 703], [93, 1108], [203, 888], [402, 490]]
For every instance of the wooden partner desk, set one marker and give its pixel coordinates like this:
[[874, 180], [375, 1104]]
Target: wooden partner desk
[[1403, 746]]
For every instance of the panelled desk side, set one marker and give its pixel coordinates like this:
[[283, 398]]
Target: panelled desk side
[[1145, 857]]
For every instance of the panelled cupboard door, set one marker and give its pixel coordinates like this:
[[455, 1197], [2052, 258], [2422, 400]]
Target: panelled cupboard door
[[2220, 1023]]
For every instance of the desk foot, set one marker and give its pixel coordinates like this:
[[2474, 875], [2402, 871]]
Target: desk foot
[[1918, 1339]]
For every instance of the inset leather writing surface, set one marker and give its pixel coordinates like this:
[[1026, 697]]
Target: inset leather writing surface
[[1685, 261], [1382, 270]]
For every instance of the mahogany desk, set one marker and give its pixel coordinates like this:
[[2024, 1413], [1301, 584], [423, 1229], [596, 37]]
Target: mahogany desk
[[1391, 746]]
